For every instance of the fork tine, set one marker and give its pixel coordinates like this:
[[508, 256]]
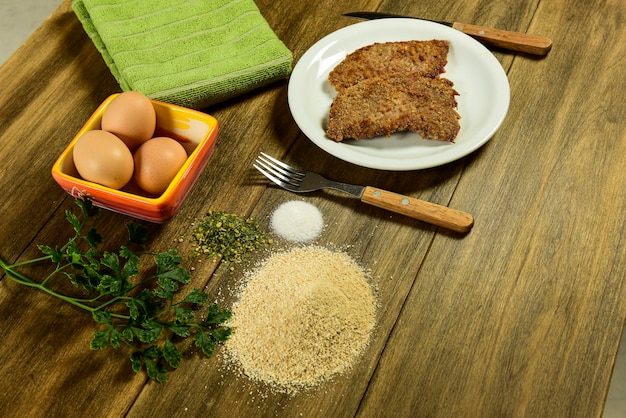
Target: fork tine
[[276, 174], [279, 163], [273, 178]]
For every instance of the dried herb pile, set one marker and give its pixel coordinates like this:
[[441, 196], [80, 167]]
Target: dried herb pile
[[228, 236]]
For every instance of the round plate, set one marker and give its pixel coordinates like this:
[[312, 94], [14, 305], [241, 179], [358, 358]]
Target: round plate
[[477, 75]]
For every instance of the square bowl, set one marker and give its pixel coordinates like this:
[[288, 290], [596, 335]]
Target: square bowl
[[196, 131]]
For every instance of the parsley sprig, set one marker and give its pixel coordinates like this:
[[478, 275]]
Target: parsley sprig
[[136, 306]]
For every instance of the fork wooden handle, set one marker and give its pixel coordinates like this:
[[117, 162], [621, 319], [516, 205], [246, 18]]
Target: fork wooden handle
[[432, 213]]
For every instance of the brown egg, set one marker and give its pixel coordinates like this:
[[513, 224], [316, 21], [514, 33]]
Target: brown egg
[[156, 163], [103, 158], [131, 117]]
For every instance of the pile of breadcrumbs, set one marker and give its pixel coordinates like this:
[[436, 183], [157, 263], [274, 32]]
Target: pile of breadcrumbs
[[302, 317]]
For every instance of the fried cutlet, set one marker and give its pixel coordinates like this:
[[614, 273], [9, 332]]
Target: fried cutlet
[[394, 103], [427, 58]]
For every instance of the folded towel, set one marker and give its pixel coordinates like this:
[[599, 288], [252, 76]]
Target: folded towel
[[192, 53]]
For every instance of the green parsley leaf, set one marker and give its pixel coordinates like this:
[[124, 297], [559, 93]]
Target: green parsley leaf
[[167, 260], [151, 331], [87, 208], [176, 273], [103, 338], [216, 316], [131, 268], [181, 330], [112, 261], [167, 288], [102, 316], [100, 339], [221, 334], [114, 338], [196, 296], [205, 343], [183, 314], [55, 254], [171, 354], [136, 361], [135, 306], [93, 238], [73, 220], [155, 370], [127, 334], [137, 234], [152, 352], [111, 285]]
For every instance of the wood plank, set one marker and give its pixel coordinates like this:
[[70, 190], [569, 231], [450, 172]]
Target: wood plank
[[485, 319], [540, 276], [34, 78], [352, 222], [44, 77], [224, 185]]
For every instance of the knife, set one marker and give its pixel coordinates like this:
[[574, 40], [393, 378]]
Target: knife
[[513, 41]]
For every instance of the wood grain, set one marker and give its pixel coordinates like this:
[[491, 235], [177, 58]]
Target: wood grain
[[522, 316], [511, 41], [443, 216], [533, 275]]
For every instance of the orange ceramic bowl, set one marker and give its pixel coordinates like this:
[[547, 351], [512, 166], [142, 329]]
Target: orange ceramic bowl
[[196, 131]]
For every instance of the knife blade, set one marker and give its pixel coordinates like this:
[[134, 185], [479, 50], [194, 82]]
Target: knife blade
[[513, 41]]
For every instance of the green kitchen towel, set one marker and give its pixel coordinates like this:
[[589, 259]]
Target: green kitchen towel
[[192, 53]]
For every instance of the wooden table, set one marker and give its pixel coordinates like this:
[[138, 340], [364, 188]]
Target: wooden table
[[520, 317]]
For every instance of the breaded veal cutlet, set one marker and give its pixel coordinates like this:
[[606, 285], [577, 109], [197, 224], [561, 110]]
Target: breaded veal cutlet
[[427, 58], [401, 102], [391, 87]]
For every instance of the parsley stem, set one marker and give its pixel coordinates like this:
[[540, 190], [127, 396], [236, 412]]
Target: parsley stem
[[24, 263], [117, 299], [56, 274], [27, 281]]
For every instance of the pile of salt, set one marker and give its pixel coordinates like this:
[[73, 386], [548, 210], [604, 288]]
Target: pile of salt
[[297, 221]]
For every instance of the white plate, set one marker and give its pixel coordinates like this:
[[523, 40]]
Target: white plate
[[477, 75]]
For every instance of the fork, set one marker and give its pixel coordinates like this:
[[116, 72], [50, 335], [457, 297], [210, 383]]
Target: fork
[[299, 181]]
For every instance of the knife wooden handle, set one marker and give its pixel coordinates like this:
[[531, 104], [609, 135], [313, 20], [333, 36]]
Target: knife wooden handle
[[432, 213], [514, 41]]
